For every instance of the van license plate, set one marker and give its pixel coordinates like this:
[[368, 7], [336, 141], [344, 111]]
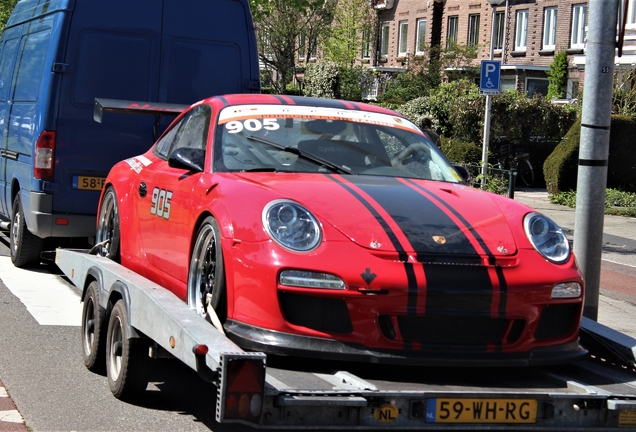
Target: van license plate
[[460, 410], [88, 183]]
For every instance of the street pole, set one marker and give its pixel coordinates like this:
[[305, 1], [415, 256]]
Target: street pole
[[594, 147], [484, 154]]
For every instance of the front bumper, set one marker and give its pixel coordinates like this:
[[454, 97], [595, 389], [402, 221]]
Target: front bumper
[[278, 343]]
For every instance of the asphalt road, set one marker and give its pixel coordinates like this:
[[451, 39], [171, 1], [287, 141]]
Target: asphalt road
[[41, 367]]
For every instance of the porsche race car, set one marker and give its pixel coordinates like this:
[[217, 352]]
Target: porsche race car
[[337, 230]]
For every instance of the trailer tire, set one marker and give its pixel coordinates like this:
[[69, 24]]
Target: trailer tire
[[127, 360], [94, 331], [24, 245], [108, 226], [206, 275]]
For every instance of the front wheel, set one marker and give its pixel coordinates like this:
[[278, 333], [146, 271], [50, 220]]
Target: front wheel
[[25, 246], [108, 227], [127, 360], [206, 276], [526, 172]]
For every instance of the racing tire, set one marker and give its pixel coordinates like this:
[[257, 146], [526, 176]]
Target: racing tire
[[206, 275], [25, 246], [108, 226], [526, 172], [94, 331], [127, 360]]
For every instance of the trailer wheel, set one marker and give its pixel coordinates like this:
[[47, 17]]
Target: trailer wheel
[[94, 331], [25, 246], [127, 361], [108, 226], [206, 276]]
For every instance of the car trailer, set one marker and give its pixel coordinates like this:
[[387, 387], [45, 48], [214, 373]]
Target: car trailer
[[128, 319]]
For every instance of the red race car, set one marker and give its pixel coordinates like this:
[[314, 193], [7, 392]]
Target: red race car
[[338, 230]]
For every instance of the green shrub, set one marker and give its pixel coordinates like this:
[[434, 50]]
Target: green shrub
[[321, 80], [617, 202], [461, 152], [561, 167]]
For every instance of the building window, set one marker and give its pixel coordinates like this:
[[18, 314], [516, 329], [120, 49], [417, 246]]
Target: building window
[[578, 26], [451, 31], [313, 49], [301, 46], [421, 36], [521, 33], [631, 12], [536, 86], [572, 89], [473, 30], [403, 38], [366, 44], [384, 40], [507, 84], [500, 22], [549, 28]]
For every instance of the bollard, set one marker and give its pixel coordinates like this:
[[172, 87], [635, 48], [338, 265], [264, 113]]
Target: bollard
[[512, 177]]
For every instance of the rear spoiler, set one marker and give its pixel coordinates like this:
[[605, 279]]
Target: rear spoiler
[[131, 107]]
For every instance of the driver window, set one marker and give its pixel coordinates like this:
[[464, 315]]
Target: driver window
[[193, 131]]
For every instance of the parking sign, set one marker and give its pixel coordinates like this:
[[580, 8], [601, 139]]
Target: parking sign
[[489, 78]]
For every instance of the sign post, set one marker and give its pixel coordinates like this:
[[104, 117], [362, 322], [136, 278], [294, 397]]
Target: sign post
[[488, 85]]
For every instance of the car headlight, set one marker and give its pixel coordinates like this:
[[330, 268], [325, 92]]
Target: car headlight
[[547, 238], [291, 225]]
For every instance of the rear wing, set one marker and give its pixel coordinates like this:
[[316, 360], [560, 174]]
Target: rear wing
[[133, 107]]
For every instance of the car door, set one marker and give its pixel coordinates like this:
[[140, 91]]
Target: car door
[[165, 211]]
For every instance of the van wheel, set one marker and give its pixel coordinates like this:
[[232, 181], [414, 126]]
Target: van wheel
[[127, 360], [94, 331], [25, 246], [108, 226], [206, 276]]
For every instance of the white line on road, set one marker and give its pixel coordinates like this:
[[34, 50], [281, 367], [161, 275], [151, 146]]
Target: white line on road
[[616, 262], [12, 416], [50, 301]]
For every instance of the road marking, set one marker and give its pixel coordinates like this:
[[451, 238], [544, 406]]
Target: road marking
[[50, 301], [616, 262], [11, 416], [3, 392]]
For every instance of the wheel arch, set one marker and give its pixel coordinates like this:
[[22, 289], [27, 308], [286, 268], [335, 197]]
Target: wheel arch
[[120, 291], [93, 274]]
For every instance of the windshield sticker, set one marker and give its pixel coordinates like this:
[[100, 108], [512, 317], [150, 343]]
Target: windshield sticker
[[138, 163], [250, 113]]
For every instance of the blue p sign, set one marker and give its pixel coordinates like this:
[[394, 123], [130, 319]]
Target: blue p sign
[[489, 78]]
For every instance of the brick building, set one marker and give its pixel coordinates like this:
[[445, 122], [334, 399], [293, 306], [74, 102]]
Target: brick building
[[528, 33]]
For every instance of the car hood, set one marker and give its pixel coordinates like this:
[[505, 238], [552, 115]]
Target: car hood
[[408, 216]]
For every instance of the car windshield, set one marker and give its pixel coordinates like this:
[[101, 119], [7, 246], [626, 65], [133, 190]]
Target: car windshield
[[312, 139]]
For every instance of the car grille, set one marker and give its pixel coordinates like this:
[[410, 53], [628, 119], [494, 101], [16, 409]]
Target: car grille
[[317, 313], [453, 330], [557, 320]]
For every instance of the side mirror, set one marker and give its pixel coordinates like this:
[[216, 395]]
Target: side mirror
[[189, 159], [463, 172]]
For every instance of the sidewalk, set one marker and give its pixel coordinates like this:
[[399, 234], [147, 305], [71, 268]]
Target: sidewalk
[[618, 259]]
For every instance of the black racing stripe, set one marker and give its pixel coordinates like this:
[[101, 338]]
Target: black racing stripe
[[419, 218], [503, 289], [222, 99], [281, 99], [408, 267], [383, 223], [318, 102], [355, 106], [458, 215], [458, 289]]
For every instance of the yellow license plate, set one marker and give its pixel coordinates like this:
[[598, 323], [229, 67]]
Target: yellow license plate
[[482, 410], [88, 183], [626, 418]]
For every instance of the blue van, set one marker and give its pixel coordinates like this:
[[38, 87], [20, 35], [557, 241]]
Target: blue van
[[58, 56]]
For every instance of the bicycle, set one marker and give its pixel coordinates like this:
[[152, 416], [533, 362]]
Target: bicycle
[[519, 161]]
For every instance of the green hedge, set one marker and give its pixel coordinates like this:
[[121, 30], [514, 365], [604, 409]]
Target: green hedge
[[561, 167], [461, 152]]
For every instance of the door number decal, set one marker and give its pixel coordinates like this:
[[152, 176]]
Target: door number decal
[[161, 203]]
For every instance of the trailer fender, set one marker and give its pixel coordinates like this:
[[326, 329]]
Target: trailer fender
[[95, 274], [118, 291]]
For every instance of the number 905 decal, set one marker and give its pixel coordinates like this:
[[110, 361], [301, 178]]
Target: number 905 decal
[[252, 125], [161, 203]]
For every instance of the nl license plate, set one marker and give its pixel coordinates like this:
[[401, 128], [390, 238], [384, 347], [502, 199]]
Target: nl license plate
[[88, 183], [461, 410]]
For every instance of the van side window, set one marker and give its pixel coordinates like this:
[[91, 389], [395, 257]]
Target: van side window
[[27, 85], [193, 132], [6, 67]]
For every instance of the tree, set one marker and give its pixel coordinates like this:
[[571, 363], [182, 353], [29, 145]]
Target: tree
[[280, 27], [558, 76], [6, 7], [352, 22]]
